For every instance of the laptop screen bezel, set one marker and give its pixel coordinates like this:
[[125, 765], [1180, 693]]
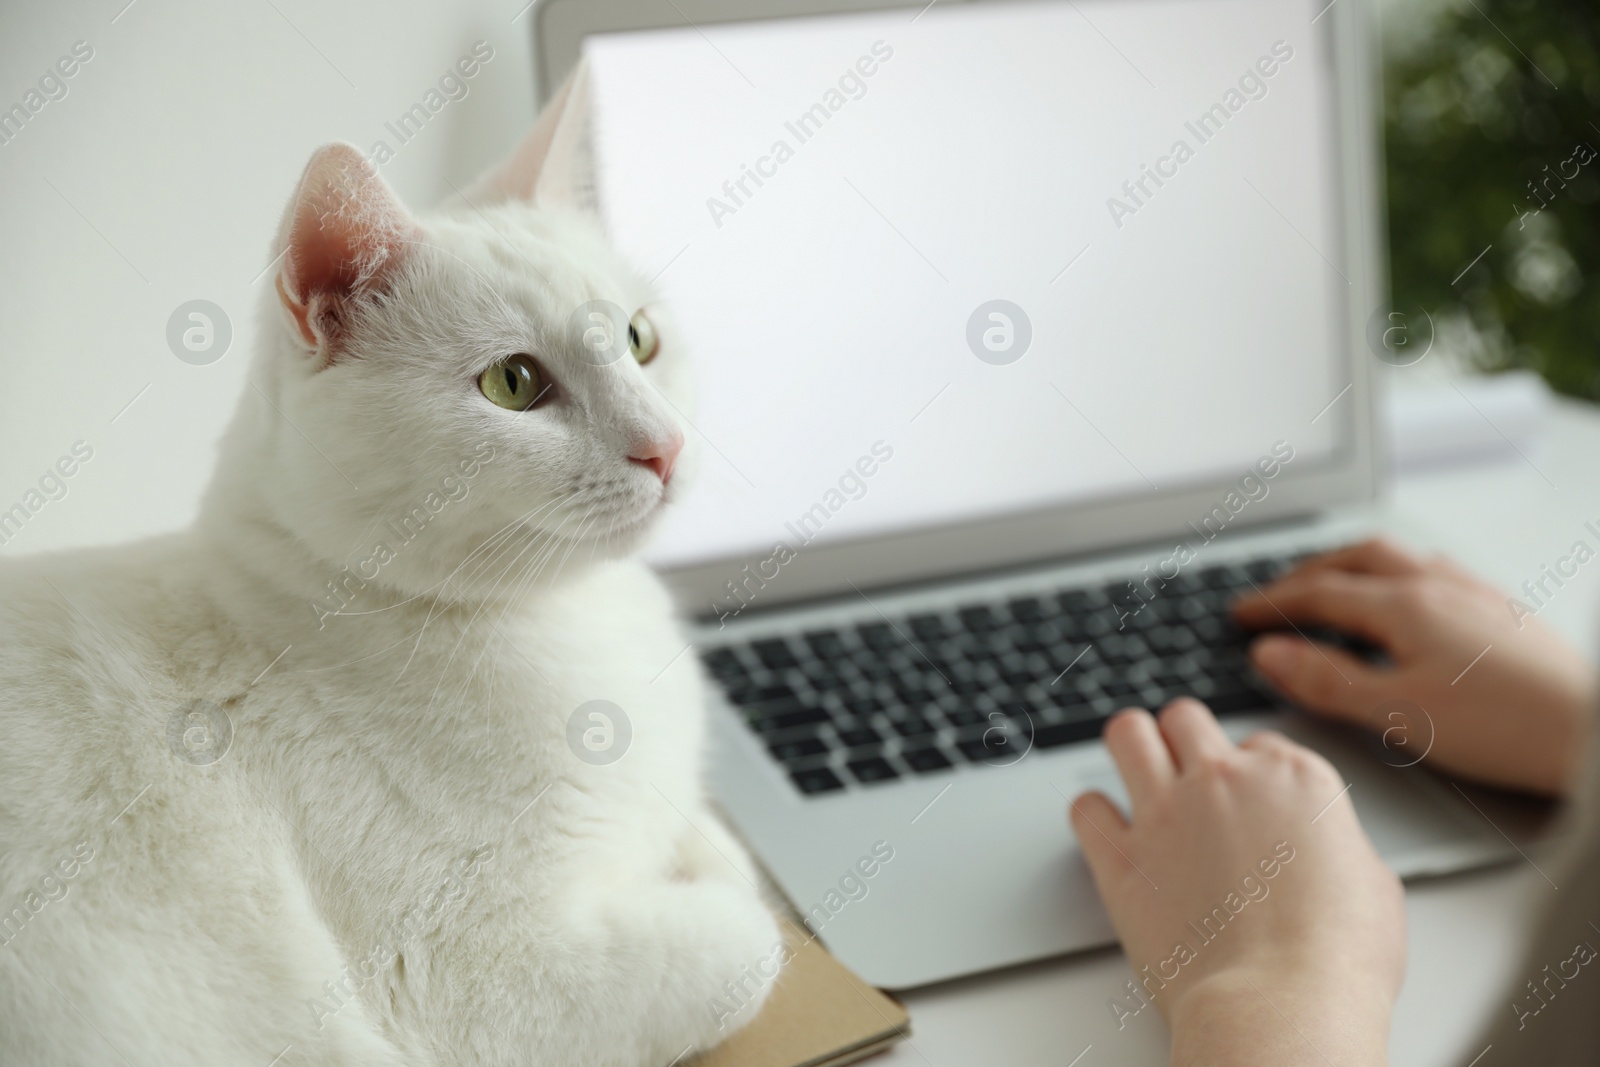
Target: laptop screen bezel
[[1351, 477]]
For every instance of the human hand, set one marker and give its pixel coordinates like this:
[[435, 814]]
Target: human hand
[[1245, 893], [1509, 702]]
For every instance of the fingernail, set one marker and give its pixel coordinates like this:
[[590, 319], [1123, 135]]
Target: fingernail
[[1275, 654]]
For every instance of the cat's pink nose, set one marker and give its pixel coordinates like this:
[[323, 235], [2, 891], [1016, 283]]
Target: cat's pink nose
[[660, 456]]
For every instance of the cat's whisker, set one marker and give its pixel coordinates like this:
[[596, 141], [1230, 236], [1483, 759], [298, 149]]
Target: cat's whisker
[[570, 549], [510, 533], [357, 659], [524, 578], [499, 536], [466, 629], [435, 606], [554, 545]]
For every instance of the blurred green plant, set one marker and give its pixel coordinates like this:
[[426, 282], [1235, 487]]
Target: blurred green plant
[[1493, 141]]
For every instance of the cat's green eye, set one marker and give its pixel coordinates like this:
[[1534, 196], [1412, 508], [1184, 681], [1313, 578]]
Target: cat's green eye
[[642, 338], [514, 383]]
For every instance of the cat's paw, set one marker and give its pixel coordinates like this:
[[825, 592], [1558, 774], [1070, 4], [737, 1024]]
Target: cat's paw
[[750, 954]]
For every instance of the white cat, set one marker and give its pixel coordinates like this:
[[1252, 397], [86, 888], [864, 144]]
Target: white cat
[[319, 779]]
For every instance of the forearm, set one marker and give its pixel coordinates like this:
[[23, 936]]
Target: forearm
[[1240, 1020]]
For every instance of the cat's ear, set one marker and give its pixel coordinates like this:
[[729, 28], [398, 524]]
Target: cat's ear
[[344, 234], [554, 164]]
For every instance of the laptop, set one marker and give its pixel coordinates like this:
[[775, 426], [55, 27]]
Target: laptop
[[1026, 336]]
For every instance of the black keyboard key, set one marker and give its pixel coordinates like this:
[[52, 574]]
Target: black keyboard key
[[768, 708], [985, 654], [975, 749], [912, 688], [925, 760], [1082, 601], [910, 726], [964, 717], [1226, 700], [978, 618], [878, 636], [724, 663], [858, 736], [992, 745], [827, 683], [873, 769], [1097, 625], [775, 653], [1182, 585], [1074, 706], [1168, 677], [826, 644], [1171, 640], [928, 627], [1227, 577], [1262, 571], [787, 720], [1027, 609], [813, 780], [1069, 732], [1043, 635], [797, 749], [1139, 618], [875, 670], [1117, 650], [764, 694], [1166, 610], [1215, 632], [1018, 676], [1018, 708], [861, 706]]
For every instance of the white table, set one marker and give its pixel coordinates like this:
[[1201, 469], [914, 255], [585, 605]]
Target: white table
[[1465, 932]]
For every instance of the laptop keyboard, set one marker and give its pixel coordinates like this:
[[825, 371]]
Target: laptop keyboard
[[986, 682]]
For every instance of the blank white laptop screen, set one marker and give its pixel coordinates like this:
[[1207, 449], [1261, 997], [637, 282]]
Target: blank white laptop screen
[[832, 202]]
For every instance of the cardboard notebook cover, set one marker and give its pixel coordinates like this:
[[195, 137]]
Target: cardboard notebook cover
[[819, 1015]]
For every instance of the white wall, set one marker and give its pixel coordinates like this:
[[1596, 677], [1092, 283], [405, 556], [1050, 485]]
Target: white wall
[[160, 178]]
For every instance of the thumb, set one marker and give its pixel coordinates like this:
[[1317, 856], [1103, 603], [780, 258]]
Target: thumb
[[1319, 677], [1104, 836]]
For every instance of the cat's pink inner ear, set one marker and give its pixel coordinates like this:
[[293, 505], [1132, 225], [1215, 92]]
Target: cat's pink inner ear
[[553, 166], [344, 233]]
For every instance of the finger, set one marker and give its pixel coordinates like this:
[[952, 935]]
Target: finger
[[1378, 555], [1319, 677], [1141, 756], [1192, 733], [1266, 741], [1104, 836], [1358, 604]]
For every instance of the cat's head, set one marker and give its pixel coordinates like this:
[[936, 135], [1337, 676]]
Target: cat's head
[[463, 402]]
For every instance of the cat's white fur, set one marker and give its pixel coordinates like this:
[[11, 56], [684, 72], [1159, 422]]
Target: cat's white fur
[[400, 859]]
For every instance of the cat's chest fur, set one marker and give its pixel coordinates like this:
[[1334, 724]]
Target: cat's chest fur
[[402, 820], [402, 741]]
